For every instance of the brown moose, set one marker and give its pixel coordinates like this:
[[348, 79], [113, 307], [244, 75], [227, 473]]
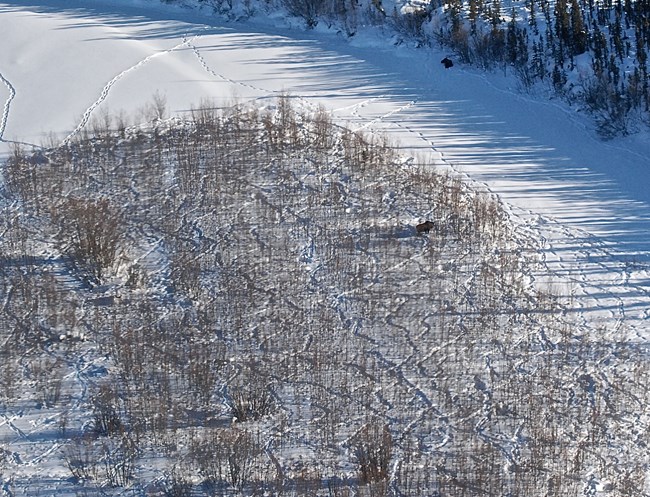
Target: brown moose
[[424, 227]]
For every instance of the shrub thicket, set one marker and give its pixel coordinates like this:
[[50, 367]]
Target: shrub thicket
[[266, 319]]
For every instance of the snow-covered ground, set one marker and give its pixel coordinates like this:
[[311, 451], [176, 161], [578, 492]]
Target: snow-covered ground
[[581, 202], [586, 201]]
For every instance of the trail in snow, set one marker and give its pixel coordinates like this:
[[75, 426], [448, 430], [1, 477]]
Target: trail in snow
[[587, 246], [356, 84], [210, 71], [5, 112], [9, 422], [105, 91], [534, 237], [382, 118], [518, 216]]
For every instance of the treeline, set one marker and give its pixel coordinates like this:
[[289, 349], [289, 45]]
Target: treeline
[[593, 53]]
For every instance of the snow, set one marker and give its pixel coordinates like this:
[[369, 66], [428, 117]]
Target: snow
[[64, 63], [584, 201]]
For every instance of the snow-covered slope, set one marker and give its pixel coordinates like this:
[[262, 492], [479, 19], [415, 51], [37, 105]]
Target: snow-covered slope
[[531, 380], [64, 64]]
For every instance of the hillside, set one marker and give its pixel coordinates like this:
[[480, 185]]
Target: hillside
[[233, 304], [592, 54], [220, 290]]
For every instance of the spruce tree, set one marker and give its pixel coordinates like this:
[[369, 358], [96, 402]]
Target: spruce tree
[[578, 32], [511, 39], [538, 61], [473, 15], [562, 30]]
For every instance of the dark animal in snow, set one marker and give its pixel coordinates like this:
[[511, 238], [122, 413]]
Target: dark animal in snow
[[447, 62], [424, 227]]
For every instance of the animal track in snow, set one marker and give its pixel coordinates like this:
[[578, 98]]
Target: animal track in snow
[[105, 91], [209, 70], [587, 246], [385, 116], [7, 106]]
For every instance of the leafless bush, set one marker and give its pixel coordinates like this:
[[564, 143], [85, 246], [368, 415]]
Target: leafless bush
[[8, 374], [101, 126], [373, 448], [81, 458], [227, 455], [308, 10], [609, 106], [92, 231], [276, 270], [251, 400], [156, 110], [205, 367], [250, 404], [3, 460], [322, 129], [21, 173], [107, 420], [410, 23], [281, 125], [177, 484], [219, 6], [48, 377], [118, 455]]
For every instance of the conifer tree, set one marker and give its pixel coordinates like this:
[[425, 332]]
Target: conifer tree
[[562, 30], [511, 39], [616, 31], [454, 10], [578, 33], [641, 54], [538, 65], [473, 15], [495, 13], [559, 78], [600, 51], [532, 20]]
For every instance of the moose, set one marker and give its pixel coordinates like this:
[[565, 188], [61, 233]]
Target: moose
[[447, 62], [424, 227]]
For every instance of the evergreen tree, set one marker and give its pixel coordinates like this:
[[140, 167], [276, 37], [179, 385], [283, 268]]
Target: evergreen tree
[[641, 54], [578, 33], [522, 50], [511, 39], [642, 59], [532, 15], [600, 51], [559, 78], [473, 15], [454, 10], [613, 70], [495, 14], [562, 30], [538, 60], [616, 32]]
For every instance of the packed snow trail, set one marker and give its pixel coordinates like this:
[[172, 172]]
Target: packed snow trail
[[584, 201]]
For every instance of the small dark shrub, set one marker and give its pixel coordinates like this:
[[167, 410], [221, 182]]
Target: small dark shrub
[[373, 448]]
